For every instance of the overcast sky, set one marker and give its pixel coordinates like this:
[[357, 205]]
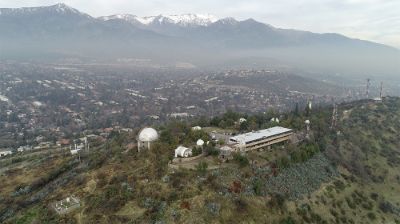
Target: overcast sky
[[375, 20]]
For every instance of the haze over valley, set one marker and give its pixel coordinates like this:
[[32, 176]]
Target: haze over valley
[[59, 32], [195, 118]]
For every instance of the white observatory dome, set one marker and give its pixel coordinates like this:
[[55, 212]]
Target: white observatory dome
[[148, 135], [307, 121], [200, 142]]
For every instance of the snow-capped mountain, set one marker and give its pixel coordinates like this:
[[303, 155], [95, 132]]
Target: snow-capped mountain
[[64, 31], [228, 21], [125, 17], [60, 8], [184, 20]]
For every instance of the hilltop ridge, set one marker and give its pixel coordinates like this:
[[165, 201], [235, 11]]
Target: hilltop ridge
[[338, 176]]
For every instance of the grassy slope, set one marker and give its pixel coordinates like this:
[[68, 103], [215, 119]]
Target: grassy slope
[[118, 186]]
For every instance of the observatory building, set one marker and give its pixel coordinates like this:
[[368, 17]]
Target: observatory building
[[200, 143], [146, 137], [183, 152], [260, 139]]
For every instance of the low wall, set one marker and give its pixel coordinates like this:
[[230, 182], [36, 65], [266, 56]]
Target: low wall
[[185, 160]]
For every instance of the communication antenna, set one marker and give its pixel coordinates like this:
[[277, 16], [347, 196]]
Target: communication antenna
[[334, 116], [210, 106], [86, 143], [308, 107], [307, 122], [381, 91], [367, 90], [242, 143]]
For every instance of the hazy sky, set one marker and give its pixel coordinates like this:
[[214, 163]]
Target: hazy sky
[[376, 20]]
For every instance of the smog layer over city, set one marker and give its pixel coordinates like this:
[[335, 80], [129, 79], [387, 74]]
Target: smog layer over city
[[281, 112]]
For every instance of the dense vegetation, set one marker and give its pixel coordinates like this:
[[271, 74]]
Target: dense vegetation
[[345, 175]]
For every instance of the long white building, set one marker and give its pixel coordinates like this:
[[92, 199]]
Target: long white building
[[5, 152], [260, 139]]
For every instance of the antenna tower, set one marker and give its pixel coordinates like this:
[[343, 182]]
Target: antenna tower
[[381, 91], [307, 122], [368, 85], [334, 116]]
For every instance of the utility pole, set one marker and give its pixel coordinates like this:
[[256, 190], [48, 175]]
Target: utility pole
[[367, 90], [307, 122], [334, 116]]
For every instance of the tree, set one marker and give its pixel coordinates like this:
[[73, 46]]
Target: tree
[[244, 126], [296, 109], [241, 160], [202, 168], [288, 220]]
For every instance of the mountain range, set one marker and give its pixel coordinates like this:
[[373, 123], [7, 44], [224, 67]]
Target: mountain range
[[59, 31]]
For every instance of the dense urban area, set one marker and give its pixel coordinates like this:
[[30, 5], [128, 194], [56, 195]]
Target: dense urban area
[[48, 104]]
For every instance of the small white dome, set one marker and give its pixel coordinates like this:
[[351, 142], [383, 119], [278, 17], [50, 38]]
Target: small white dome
[[241, 120], [148, 135], [196, 128], [307, 121], [200, 142]]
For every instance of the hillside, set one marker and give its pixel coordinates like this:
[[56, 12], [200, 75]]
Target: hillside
[[347, 175]]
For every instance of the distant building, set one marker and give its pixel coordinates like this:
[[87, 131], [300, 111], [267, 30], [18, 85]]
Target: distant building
[[260, 139], [127, 130], [24, 148], [196, 128], [155, 117], [179, 115], [225, 153], [75, 151], [5, 152], [39, 138], [183, 152], [275, 119], [66, 205], [92, 137], [378, 99], [63, 142], [44, 145]]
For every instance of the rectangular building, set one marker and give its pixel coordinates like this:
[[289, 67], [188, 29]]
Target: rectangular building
[[260, 139], [5, 153]]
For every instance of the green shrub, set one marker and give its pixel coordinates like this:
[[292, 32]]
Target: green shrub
[[211, 151], [339, 185], [197, 151], [202, 168], [283, 162], [277, 201], [288, 220], [371, 216], [257, 187], [240, 159]]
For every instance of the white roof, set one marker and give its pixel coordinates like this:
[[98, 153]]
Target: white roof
[[226, 148], [252, 136], [148, 135], [196, 128], [200, 142], [180, 151]]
